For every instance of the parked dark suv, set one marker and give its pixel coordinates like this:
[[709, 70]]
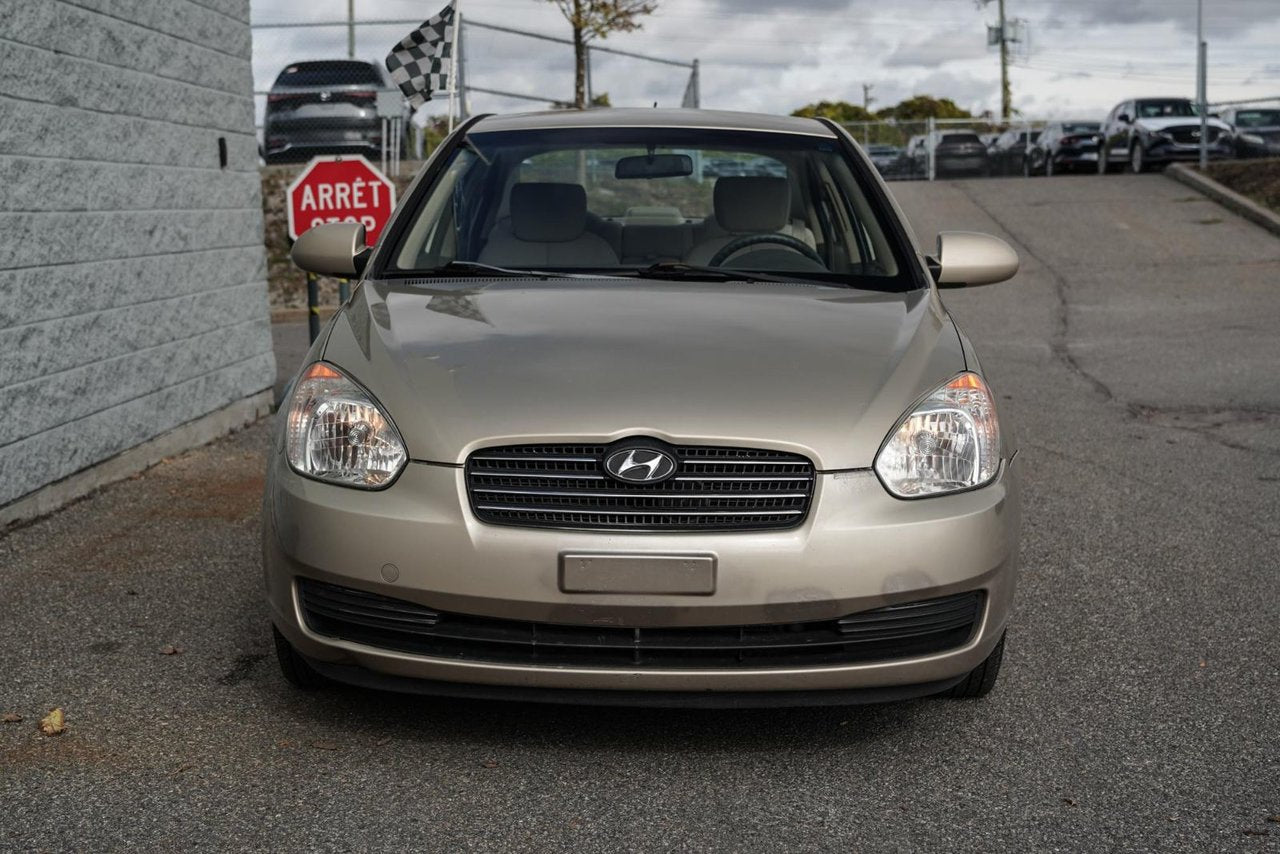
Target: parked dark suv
[[323, 107], [1150, 132], [1256, 131]]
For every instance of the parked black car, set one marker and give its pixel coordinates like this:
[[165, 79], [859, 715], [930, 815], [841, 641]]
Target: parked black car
[[1008, 150], [323, 107], [958, 153], [1144, 133], [1062, 147], [1255, 131]]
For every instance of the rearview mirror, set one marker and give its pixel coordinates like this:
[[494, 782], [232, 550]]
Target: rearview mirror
[[1124, 118], [332, 249], [966, 258], [654, 166]]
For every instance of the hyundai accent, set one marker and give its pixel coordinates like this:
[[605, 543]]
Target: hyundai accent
[[601, 425]]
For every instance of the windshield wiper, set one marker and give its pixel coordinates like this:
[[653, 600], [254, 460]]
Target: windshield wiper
[[679, 271], [462, 269]]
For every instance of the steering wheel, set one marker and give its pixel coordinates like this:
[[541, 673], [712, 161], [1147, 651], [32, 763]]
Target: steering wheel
[[746, 240]]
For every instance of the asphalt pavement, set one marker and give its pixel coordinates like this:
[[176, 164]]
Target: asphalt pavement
[[1138, 707]]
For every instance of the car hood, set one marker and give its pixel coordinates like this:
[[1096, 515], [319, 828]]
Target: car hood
[[1178, 121], [822, 371]]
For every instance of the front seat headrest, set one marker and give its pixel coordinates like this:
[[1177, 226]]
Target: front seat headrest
[[548, 213], [755, 204]]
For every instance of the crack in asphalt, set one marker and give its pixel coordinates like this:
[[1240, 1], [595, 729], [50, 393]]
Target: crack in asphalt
[[1059, 346], [1058, 343]]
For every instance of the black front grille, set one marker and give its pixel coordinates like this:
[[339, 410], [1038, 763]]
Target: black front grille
[[898, 631], [1190, 134], [713, 489]]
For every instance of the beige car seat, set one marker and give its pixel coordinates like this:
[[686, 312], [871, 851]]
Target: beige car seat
[[747, 205], [547, 228]]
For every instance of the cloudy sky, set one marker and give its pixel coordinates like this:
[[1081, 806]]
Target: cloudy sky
[[1081, 56]]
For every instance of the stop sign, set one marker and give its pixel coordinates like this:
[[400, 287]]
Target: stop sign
[[343, 188]]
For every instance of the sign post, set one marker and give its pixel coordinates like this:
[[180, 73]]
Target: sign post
[[338, 189]]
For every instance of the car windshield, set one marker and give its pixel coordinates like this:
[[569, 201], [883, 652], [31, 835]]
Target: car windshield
[[956, 138], [1257, 118], [637, 201], [1172, 108]]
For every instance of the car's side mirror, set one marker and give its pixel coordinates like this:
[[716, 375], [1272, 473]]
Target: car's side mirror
[[967, 258], [332, 249], [1124, 118]]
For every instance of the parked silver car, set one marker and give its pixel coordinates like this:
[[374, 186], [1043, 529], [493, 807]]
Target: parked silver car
[[739, 456]]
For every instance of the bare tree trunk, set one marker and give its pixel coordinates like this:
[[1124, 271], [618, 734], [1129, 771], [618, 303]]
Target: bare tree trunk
[[579, 59]]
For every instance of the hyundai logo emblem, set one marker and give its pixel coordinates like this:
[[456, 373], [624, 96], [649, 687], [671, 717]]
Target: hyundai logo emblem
[[640, 465]]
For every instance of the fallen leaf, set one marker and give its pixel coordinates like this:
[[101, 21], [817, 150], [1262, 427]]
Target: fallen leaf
[[489, 763], [185, 766], [1203, 663], [54, 723], [385, 740], [1274, 819], [171, 650], [324, 745], [1071, 802], [12, 718], [1248, 831]]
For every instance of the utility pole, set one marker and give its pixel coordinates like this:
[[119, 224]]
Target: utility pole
[[1005, 97], [867, 100], [1202, 87], [1000, 35], [351, 29]]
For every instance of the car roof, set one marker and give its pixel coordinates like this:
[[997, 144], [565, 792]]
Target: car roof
[[669, 118]]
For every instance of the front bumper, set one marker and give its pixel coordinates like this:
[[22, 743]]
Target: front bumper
[[858, 549], [1168, 152]]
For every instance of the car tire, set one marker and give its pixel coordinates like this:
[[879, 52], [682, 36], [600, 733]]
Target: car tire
[[982, 678], [1103, 166], [1137, 158], [294, 668]]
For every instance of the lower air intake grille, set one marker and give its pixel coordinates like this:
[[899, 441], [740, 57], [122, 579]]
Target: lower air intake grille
[[899, 631], [1190, 134], [713, 489]]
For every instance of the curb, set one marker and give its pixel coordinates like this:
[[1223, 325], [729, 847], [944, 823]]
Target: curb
[[1225, 196], [200, 431]]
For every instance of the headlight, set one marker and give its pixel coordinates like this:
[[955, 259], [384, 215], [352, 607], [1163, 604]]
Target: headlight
[[1252, 138], [950, 441], [338, 433]]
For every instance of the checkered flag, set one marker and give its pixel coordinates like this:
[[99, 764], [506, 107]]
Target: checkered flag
[[419, 63]]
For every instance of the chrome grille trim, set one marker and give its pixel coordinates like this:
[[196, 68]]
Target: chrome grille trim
[[565, 486]]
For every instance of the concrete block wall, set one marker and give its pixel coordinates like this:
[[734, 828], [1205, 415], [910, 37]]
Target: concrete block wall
[[133, 293]]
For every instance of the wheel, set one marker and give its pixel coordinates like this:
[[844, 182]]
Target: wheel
[[1137, 158], [294, 667], [982, 678], [1102, 160]]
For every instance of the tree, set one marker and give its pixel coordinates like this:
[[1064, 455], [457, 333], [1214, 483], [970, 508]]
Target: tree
[[919, 107], [595, 19], [841, 112]]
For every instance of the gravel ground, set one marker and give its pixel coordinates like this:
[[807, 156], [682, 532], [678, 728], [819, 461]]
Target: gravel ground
[[1137, 709]]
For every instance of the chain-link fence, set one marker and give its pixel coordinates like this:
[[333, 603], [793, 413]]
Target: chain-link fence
[[927, 149]]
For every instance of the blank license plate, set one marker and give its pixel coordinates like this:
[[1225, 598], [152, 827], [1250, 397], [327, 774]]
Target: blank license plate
[[689, 575]]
